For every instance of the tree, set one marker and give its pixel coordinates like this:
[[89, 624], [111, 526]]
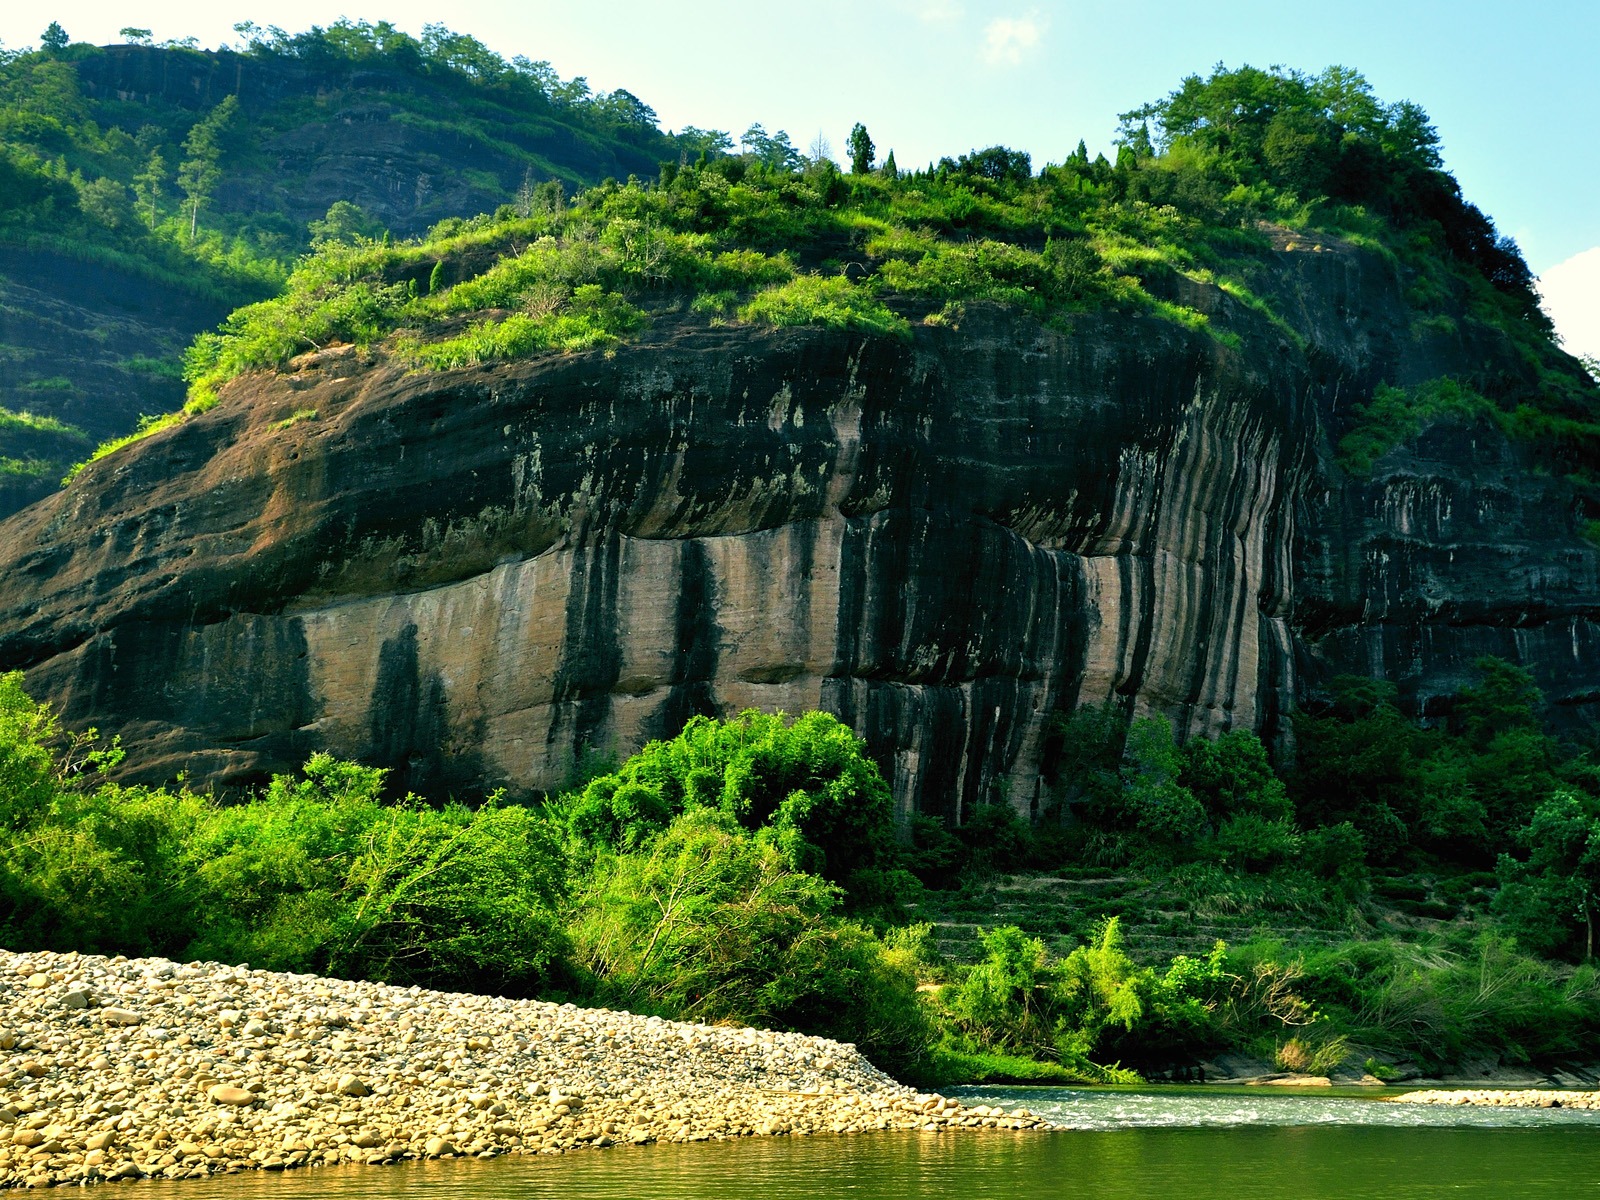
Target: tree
[[1134, 139], [1560, 882], [890, 171], [861, 150], [106, 201], [130, 33], [148, 187], [821, 148], [774, 150], [809, 783], [54, 38], [344, 225], [713, 143], [1154, 802], [200, 172]]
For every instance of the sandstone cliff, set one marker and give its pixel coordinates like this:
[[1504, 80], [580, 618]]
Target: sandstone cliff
[[471, 575]]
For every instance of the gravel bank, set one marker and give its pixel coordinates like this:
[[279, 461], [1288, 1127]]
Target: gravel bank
[[114, 1068], [1505, 1098]]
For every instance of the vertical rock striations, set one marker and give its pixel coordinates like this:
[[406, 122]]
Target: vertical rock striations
[[471, 576]]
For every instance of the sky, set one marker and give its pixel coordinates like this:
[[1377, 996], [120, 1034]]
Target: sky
[[1514, 88]]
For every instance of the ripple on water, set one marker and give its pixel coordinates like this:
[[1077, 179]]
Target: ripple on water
[[1220, 1107]]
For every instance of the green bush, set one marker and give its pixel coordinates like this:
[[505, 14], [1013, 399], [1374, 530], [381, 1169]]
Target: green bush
[[831, 301], [589, 319], [319, 873], [1093, 1006], [1395, 416], [808, 782], [711, 922]]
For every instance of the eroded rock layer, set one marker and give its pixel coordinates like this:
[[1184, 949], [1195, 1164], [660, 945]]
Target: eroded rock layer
[[472, 576]]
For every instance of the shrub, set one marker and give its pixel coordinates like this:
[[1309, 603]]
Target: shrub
[[147, 426], [1154, 800], [591, 318], [319, 874], [808, 781], [831, 301], [1232, 776], [712, 922], [1395, 416]]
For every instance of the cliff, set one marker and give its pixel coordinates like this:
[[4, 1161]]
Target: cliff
[[470, 575]]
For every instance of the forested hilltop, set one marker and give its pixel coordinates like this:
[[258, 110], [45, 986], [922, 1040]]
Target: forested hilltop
[[1210, 187], [146, 189], [1195, 554]]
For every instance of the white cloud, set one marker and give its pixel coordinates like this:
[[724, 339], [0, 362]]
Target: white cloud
[[1571, 292], [1007, 39]]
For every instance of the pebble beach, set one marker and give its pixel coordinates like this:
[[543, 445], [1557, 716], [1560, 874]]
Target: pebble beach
[[120, 1069]]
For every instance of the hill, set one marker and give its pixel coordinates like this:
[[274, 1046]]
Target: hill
[[1214, 529], [147, 190]]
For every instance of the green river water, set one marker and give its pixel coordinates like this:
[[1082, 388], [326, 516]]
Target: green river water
[[1174, 1144]]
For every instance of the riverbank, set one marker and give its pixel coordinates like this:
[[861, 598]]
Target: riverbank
[[114, 1068], [1586, 1101]]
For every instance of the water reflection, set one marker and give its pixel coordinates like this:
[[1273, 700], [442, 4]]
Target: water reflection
[[1310, 1158]]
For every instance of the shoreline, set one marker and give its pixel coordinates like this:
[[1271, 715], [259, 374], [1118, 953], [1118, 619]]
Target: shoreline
[[1586, 1100], [117, 1068]]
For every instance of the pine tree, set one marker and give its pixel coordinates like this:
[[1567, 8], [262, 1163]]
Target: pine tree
[[54, 38], [890, 171], [860, 149]]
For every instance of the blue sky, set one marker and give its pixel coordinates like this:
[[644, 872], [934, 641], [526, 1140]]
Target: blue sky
[[1514, 88]]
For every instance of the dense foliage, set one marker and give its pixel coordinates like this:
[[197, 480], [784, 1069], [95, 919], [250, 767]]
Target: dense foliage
[[749, 871], [140, 175], [694, 882]]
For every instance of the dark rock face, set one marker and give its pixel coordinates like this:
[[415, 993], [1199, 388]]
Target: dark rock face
[[469, 576], [1451, 552], [84, 343]]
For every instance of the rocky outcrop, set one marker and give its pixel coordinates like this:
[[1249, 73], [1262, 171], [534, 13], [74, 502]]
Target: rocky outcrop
[[472, 576]]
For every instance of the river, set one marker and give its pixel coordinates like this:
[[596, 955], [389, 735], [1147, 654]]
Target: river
[[1126, 1144]]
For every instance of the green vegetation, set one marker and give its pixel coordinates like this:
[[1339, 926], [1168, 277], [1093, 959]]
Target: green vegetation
[[766, 237], [147, 425], [137, 178], [1416, 936], [832, 301], [1395, 416], [749, 871]]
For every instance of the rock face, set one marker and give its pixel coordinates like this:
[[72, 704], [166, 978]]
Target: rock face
[[471, 576], [89, 345]]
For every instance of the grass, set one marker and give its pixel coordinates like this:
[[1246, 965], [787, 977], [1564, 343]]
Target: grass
[[157, 368], [27, 422], [24, 468], [950, 1067], [147, 425]]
